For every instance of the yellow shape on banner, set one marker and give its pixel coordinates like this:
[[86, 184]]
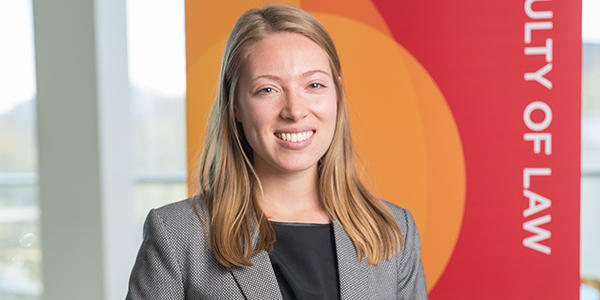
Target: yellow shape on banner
[[404, 134]]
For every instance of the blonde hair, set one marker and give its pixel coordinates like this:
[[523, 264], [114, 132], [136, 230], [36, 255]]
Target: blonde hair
[[228, 182]]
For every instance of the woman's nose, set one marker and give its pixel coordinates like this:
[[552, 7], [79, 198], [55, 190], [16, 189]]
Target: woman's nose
[[294, 107]]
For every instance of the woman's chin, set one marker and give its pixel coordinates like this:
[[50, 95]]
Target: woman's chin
[[296, 167]]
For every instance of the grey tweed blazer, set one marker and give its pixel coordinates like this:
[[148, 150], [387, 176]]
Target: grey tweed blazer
[[174, 262]]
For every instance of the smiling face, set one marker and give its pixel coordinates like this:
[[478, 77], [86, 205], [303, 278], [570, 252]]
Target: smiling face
[[286, 103]]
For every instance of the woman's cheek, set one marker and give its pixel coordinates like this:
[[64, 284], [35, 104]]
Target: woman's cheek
[[264, 118], [331, 110]]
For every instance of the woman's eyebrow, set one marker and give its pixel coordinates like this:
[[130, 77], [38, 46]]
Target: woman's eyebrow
[[268, 76], [308, 73], [305, 74]]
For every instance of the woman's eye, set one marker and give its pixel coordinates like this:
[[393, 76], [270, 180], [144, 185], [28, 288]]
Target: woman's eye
[[315, 85], [267, 90]]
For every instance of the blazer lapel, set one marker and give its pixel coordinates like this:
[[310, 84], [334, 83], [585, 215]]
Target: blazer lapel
[[258, 281], [353, 274]]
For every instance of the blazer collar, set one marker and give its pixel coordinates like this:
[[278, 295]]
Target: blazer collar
[[353, 274], [259, 282]]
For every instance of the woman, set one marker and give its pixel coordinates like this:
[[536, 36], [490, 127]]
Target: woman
[[281, 212]]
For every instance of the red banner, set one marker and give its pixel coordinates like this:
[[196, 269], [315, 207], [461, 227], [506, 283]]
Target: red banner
[[510, 71]]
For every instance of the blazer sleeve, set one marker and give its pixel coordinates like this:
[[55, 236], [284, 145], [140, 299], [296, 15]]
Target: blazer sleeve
[[156, 273], [411, 277]]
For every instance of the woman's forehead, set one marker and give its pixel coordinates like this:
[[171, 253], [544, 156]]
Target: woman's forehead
[[285, 53]]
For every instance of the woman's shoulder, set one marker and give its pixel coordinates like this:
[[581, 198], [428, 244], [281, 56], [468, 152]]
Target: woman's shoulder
[[405, 220], [410, 267], [179, 220], [176, 211]]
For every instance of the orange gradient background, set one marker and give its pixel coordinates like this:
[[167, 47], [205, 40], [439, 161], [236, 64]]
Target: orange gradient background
[[406, 139]]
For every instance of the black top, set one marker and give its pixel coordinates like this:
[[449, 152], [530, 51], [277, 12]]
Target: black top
[[304, 261]]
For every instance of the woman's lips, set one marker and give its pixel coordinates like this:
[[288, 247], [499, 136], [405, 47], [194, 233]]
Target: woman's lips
[[295, 140], [295, 136], [295, 129]]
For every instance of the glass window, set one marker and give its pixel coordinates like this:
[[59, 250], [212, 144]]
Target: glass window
[[590, 152], [20, 256], [590, 116], [157, 76]]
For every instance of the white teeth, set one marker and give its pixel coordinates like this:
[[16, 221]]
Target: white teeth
[[295, 137]]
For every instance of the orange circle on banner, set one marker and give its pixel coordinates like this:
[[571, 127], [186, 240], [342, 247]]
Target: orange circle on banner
[[405, 136], [404, 133]]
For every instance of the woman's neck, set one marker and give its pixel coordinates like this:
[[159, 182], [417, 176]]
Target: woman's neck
[[291, 197]]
